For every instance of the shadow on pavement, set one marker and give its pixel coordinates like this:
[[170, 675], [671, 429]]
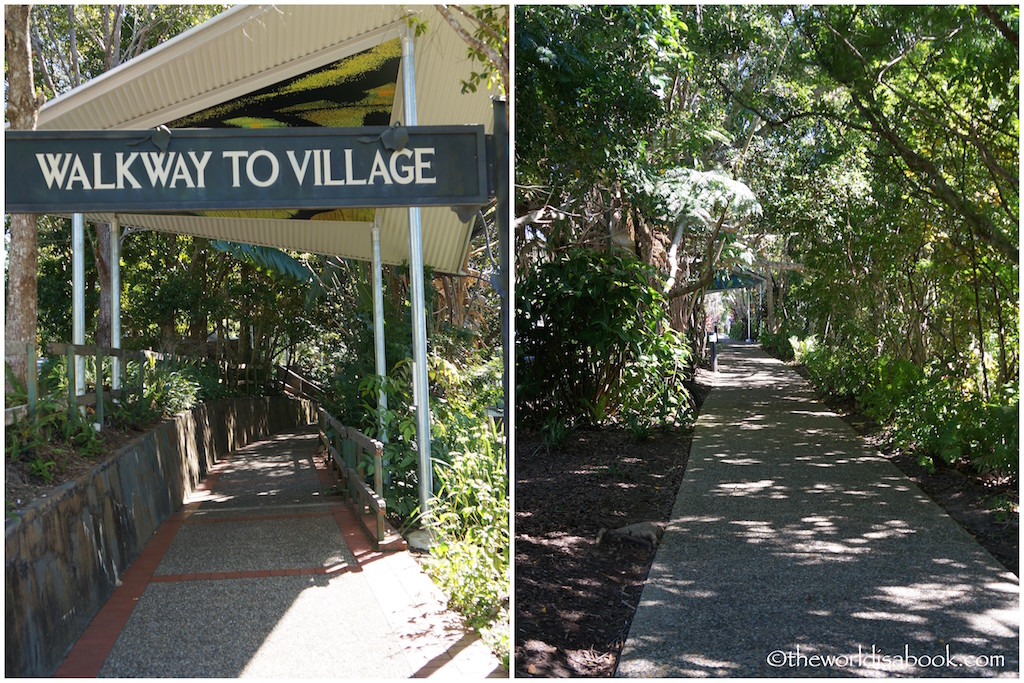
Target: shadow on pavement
[[795, 551]]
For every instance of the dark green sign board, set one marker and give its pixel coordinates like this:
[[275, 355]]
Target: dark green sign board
[[216, 169]]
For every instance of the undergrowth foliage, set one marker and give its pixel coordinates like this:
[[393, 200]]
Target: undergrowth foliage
[[469, 511], [925, 410], [44, 442], [470, 559]]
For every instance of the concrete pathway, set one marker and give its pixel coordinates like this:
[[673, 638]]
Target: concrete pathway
[[794, 550], [263, 575]]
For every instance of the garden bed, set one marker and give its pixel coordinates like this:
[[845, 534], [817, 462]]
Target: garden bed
[[23, 485], [575, 599]]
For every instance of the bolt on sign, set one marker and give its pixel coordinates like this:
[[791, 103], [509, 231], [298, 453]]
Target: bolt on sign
[[206, 169]]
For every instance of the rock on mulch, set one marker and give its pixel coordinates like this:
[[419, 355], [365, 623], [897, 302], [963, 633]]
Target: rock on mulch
[[575, 598]]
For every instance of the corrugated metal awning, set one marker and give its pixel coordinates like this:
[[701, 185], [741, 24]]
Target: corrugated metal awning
[[208, 72]]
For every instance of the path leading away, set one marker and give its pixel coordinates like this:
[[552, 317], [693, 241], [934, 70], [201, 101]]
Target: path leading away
[[794, 550], [264, 575]]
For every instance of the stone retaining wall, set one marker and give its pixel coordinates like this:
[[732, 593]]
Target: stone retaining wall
[[65, 555]]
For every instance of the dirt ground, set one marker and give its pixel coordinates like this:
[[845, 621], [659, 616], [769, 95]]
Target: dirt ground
[[575, 599]]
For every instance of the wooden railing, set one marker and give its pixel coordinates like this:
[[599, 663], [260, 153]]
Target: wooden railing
[[95, 398], [239, 375], [297, 385], [350, 450]]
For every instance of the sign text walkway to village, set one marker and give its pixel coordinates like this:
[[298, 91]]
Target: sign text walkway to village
[[209, 169]]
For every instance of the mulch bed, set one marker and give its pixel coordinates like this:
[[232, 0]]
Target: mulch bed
[[575, 598]]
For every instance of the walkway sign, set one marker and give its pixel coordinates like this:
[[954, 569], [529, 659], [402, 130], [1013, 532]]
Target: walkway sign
[[217, 169]]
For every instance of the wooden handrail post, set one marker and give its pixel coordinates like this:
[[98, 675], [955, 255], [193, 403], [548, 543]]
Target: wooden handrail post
[[72, 408], [378, 487], [142, 372], [99, 385], [378, 471], [31, 375]]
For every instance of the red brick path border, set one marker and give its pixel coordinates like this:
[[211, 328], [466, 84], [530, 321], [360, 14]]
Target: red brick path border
[[432, 639]]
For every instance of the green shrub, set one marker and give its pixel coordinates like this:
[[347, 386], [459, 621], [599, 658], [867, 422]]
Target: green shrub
[[803, 347], [942, 419], [777, 344], [35, 440], [891, 382], [171, 390], [460, 397], [594, 342], [400, 458], [173, 386], [133, 413], [838, 371], [937, 417], [470, 513], [470, 556]]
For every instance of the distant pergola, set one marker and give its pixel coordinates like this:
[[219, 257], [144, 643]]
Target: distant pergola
[[294, 66], [740, 278]]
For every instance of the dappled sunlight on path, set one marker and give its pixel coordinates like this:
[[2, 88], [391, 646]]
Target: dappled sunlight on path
[[795, 550]]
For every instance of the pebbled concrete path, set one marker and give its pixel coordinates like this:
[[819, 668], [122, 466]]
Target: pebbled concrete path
[[794, 550], [263, 574]]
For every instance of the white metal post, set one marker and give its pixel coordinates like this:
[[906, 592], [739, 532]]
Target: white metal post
[[760, 289], [115, 301], [746, 293], [419, 321], [378, 330], [78, 296]]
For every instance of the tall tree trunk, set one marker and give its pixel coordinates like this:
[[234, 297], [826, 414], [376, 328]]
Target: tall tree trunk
[[22, 112], [977, 311], [101, 252], [1004, 376], [199, 320], [101, 246]]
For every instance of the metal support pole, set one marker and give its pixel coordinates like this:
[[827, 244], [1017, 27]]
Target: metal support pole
[[501, 163], [115, 302], [78, 296], [380, 357], [760, 289], [31, 375], [746, 294], [419, 320], [714, 350]]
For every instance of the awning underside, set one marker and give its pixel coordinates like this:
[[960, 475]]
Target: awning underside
[[291, 66]]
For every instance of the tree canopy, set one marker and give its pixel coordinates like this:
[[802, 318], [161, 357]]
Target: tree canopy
[[863, 160]]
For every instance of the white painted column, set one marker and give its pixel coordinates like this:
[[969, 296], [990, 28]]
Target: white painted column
[[78, 296], [746, 293], [419, 321], [115, 301], [378, 328]]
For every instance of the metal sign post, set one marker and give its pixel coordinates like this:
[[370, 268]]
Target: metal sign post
[[421, 394], [501, 183], [78, 298]]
